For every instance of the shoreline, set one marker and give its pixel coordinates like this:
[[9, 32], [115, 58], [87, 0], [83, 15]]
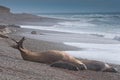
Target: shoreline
[[42, 34]]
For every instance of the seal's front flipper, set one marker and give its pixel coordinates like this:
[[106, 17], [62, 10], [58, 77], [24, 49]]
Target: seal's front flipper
[[82, 67], [65, 65]]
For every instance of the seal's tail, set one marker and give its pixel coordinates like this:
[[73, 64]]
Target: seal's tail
[[19, 43]]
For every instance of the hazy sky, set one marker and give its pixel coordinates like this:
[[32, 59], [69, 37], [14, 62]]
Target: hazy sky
[[52, 6]]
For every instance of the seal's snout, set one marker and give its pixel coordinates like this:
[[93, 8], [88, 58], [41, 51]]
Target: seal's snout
[[111, 70], [115, 70]]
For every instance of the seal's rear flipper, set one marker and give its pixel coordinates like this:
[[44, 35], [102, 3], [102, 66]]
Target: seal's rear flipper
[[19, 44], [65, 65]]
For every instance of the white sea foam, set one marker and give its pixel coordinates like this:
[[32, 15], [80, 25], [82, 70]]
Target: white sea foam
[[73, 28], [76, 23], [103, 52]]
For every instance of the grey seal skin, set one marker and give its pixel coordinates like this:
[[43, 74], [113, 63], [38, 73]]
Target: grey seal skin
[[99, 66], [65, 65]]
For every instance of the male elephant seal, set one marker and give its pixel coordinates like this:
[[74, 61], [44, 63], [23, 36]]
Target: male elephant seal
[[47, 57]]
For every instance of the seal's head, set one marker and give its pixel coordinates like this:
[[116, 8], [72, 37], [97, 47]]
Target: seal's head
[[111, 69]]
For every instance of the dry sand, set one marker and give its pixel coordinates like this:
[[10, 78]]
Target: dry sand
[[13, 67]]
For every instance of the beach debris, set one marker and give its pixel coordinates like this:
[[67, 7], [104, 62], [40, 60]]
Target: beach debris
[[33, 32], [3, 36], [4, 29], [117, 38], [98, 35]]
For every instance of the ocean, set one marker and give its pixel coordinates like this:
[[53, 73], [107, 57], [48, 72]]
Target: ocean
[[102, 25], [107, 25]]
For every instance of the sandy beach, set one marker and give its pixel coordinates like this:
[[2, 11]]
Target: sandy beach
[[13, 67], [83, 29]]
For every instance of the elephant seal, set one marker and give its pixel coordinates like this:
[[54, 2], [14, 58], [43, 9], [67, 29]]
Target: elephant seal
[[47, 57], [99, 66]]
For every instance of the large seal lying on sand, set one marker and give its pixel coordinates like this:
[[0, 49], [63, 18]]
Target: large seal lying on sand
[[48, 57]]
